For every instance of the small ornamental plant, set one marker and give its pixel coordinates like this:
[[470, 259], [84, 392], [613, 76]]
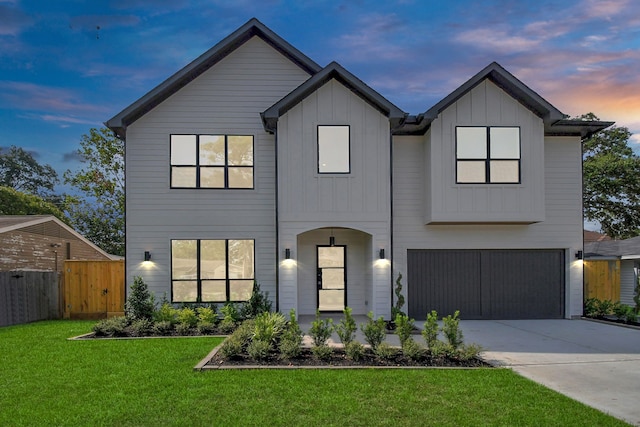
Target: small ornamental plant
[[347, 327], [374, 331]]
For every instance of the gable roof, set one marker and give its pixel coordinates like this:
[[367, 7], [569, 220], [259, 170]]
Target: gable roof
[[338, 72], [625, 249], [252, 28], [16, 222], [555, 122]]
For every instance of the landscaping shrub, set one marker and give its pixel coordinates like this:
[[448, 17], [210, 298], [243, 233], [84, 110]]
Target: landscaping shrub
[[374, 331], [594, 307], [187, 318], [625, 313], [112, 327], [207, 315], [230, 319], [347, 327], [322, 352], [268, 327], [404, 327], [141, 327], [162, 328], [439, 349], [166, 313], [232, 347], [258, 303], [354, 351], [140, 302], [412, 350], [321, 330], [183, 329], [245, 331], [259, 349], [385, 352], [451, 330], [291, 338], [206, 328], [468, 351], [430, 331], [289, 347], [238, 341]]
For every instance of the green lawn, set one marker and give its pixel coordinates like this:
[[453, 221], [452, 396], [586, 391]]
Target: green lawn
[[47, 380]]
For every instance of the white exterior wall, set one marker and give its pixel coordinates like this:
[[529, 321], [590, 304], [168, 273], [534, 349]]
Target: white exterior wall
[[561, 229], [226, 99], [309, 201], [448, 202], [628, 280]]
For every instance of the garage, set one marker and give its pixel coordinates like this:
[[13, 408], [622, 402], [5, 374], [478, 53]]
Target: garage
[[486, 284]]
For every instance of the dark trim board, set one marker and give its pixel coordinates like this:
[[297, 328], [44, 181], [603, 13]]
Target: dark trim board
[[487, 284]]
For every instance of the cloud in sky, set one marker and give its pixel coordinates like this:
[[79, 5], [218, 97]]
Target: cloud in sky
[[12, 20], [30, 96]]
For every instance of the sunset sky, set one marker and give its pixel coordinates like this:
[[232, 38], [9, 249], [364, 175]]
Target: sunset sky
[[69, 65]]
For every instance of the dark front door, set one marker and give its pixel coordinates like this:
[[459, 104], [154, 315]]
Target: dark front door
[[332, 278]]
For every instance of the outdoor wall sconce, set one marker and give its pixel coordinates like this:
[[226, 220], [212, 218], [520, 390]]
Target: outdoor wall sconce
[[579, 255], [382, 253], [332, 241], [147, 256], [287, 253]]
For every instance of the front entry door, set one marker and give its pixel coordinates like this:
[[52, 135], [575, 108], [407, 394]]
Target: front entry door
[[332, 278]]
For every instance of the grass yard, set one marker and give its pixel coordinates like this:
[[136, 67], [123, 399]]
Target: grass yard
[[46, 380]]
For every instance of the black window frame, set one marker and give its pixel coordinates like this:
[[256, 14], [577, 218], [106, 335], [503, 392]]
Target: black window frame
[[199, 279], [488, 159], [318, 149], [225, 167]]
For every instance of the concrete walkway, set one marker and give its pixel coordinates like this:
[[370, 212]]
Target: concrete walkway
[[594, 363]]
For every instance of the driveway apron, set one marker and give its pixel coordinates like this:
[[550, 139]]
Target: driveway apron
[[594, 363]]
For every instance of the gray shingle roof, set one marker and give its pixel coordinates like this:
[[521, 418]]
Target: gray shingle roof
[[613, 248]]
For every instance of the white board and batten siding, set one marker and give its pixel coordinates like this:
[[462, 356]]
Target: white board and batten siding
[[448, 202], [359, 200], [557, 163], [226, 99]]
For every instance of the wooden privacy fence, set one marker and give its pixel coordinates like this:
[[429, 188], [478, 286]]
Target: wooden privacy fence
[[93, 289], [602, 279], [27, 296]]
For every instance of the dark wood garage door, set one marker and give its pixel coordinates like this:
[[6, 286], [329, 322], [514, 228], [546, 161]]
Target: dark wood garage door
[[486, 284]]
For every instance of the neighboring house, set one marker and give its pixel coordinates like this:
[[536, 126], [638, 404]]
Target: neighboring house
[[255, 163], [594, 236], [626, 255], [42, 243]]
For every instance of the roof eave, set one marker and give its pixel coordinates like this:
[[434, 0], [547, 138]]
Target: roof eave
[[332, 71], [576, 127], [505, 81]]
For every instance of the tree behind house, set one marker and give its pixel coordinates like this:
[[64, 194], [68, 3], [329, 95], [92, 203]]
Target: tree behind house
[[98, 211]]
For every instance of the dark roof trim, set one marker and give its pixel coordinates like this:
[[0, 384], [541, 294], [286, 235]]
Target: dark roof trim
[[332, 71], [503, 79], [576, 127], [201, 64]]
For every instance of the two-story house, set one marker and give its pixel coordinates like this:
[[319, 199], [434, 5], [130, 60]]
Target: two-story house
[[255, 163]]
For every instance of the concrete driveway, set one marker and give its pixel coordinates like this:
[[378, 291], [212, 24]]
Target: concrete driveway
[[594, 363]]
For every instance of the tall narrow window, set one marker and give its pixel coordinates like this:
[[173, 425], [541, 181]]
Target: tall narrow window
[[212, 270], [487, 155], [333, 149], [211, 161]]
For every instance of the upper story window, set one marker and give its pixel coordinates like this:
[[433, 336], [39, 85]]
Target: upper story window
[[333, 149], [487, 155], [211, 161]]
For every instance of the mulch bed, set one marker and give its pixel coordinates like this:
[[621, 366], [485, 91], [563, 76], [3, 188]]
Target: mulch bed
[[337, 360]]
